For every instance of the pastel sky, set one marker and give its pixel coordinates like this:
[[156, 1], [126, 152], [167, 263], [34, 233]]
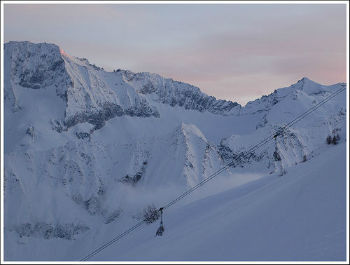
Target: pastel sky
[[231, 51]]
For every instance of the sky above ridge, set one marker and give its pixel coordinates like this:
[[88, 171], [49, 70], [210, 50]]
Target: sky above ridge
[[237, 52]]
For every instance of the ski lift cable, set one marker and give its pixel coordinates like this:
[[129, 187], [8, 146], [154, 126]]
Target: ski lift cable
[[115, 239], [246, 154], [255, 147], [297, 119]]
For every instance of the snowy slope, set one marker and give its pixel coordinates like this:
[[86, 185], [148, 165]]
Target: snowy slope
[[87, 150], [301, 216]]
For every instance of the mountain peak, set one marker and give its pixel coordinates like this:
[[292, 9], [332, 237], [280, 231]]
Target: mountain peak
[[34, 65], [306, 82], [305, 79], [27, 45]]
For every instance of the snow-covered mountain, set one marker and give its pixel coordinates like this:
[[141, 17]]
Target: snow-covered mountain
[[87, 150]]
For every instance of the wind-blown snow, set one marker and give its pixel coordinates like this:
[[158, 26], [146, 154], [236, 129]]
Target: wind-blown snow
[[87, 150]]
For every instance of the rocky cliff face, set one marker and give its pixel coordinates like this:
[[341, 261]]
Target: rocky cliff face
[[93, 95], [175, 93]]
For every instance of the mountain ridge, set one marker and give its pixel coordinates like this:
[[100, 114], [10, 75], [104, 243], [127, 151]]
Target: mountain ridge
[[151, 85], [91, 92]]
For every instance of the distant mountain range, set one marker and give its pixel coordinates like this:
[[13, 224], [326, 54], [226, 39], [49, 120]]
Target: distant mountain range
[[85, 148]]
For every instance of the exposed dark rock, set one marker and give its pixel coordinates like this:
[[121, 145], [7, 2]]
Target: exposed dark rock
[[135, 178], [176, 93], [93, 205], [113, 216], [57, 126], [237, 158], [47, 231], [150, 214], [30, 131], [148, 88], [82, 135], [98, 118], [131, 179], [276, 156]]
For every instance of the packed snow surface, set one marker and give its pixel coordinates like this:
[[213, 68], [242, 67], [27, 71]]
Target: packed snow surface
[[86, 151]]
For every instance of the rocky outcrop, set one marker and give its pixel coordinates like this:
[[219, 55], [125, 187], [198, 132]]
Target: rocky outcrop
[[37, 66], [67, 231], [175, 93]]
